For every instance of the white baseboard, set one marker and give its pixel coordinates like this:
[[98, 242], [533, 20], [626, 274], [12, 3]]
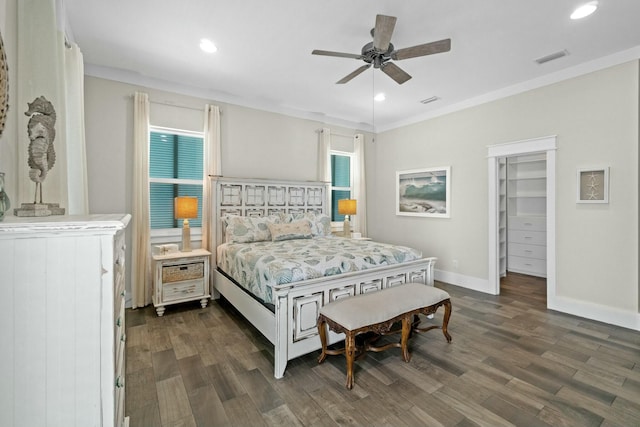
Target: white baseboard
[[588, 310], [469, 282], [602, 313]]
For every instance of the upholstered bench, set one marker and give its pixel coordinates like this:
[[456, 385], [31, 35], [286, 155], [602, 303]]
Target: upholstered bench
[[377, 312]]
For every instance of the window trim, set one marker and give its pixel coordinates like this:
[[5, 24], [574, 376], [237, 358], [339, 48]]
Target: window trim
[[171, 235], [335, 225]]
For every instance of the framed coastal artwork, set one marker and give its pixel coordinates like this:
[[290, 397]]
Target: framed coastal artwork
[[424, 192], [593, 185]]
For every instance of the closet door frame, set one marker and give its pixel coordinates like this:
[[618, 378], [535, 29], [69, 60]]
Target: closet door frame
[[545, 145]]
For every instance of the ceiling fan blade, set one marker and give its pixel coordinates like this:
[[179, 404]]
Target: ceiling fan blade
[[338, 54], [358, 71], [395, 72], [422, 50], [383, 31]]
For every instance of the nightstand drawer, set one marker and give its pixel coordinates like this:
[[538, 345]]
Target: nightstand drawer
[[181, 290], [179, 273]]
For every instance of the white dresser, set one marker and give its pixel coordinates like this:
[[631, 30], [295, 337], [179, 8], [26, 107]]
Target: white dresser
[[62, 281]]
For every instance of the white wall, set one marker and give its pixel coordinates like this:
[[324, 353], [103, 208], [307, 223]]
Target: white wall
[[595, 118]]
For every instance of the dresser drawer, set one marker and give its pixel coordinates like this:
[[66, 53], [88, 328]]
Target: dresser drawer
[[182, 272], [533, 266], [528, 251], [527, 237], [532, 223], [181, 290]]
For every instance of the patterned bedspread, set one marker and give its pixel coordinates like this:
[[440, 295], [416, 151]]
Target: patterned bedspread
[[260, 265]]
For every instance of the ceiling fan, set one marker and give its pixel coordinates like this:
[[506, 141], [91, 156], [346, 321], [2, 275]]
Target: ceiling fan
[[381, 51]]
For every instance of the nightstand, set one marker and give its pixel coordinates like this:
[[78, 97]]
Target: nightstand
[[181, 277]]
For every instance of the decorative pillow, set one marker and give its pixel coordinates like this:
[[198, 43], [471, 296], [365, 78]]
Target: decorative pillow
[[300, 229], [320, 223], [247, 229]]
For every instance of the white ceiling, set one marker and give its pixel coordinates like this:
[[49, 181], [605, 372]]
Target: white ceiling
[[264, 50]]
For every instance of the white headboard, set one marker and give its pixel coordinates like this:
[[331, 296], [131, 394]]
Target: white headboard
[[262, 197]]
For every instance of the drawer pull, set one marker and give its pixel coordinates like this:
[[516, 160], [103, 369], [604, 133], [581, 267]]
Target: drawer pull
[[119, 382], [119, 321], [122, 294], [528, 223], [528, 251], [527, 264], [528, 237], [183, 267], [123, 337]]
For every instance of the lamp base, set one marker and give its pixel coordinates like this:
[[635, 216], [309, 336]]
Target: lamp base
[[346, 228], [186, 237]]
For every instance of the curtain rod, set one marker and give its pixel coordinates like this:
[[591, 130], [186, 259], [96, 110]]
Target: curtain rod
[[337, 134], [170, 104]]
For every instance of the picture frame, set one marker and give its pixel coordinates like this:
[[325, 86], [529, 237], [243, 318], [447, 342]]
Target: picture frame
[[592, 185], [424, 192]]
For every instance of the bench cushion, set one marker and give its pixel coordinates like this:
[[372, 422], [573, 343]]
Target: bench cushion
[[377, 307]]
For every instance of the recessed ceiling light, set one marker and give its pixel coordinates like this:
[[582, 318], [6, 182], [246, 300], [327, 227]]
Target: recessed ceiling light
[[380, 97], [207, 46], [584, 10]]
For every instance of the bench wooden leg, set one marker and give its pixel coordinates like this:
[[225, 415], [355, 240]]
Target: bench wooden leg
[[404, 340], [445, 320], [350, 354], [322, 331]]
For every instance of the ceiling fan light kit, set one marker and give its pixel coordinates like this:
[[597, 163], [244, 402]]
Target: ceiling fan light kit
[[380, 52]]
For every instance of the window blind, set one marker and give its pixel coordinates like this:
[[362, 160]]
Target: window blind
[[340, 183], [173, 157]]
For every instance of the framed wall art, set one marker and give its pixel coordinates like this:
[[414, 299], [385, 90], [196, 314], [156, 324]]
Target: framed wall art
[[593, 185], [424, 192]]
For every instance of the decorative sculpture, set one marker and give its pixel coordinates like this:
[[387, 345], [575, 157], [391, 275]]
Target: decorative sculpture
[[42, 156], [42, 132], [4, 86]]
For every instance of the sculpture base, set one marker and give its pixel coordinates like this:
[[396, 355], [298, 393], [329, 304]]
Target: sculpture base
[[38, 209]]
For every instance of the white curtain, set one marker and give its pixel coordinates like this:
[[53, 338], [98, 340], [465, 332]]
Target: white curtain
[[76, 147], [324, 161], [141, 268], [49, 68], [359, 185], [212, 166]]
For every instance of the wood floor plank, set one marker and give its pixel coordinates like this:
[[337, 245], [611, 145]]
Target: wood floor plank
[[194, 375], [242, 412], [173, 401], [207, 408], [511, 362], [165, 364], [225, 381], [281, 416], [263, 395]]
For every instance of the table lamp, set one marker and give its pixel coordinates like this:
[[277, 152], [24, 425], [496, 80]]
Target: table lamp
[[346, 207], [185, 207]]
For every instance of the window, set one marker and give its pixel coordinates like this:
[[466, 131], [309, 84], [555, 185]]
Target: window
[[341, 181], [175, 169]]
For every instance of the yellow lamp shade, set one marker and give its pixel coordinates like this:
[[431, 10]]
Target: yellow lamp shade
[[185, 207], [347, 207]]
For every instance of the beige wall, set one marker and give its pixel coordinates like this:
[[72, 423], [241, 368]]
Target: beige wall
[[255, 143], [595, 118]]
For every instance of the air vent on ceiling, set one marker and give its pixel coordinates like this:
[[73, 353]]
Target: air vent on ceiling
[[428, 100], [552, 57]]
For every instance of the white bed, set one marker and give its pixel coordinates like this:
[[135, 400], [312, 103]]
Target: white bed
[[290, 324]]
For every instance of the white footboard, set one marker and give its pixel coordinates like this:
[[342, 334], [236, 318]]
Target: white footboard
[[292, 328]]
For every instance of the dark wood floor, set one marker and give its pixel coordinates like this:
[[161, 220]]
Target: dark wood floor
[[512, 362]]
